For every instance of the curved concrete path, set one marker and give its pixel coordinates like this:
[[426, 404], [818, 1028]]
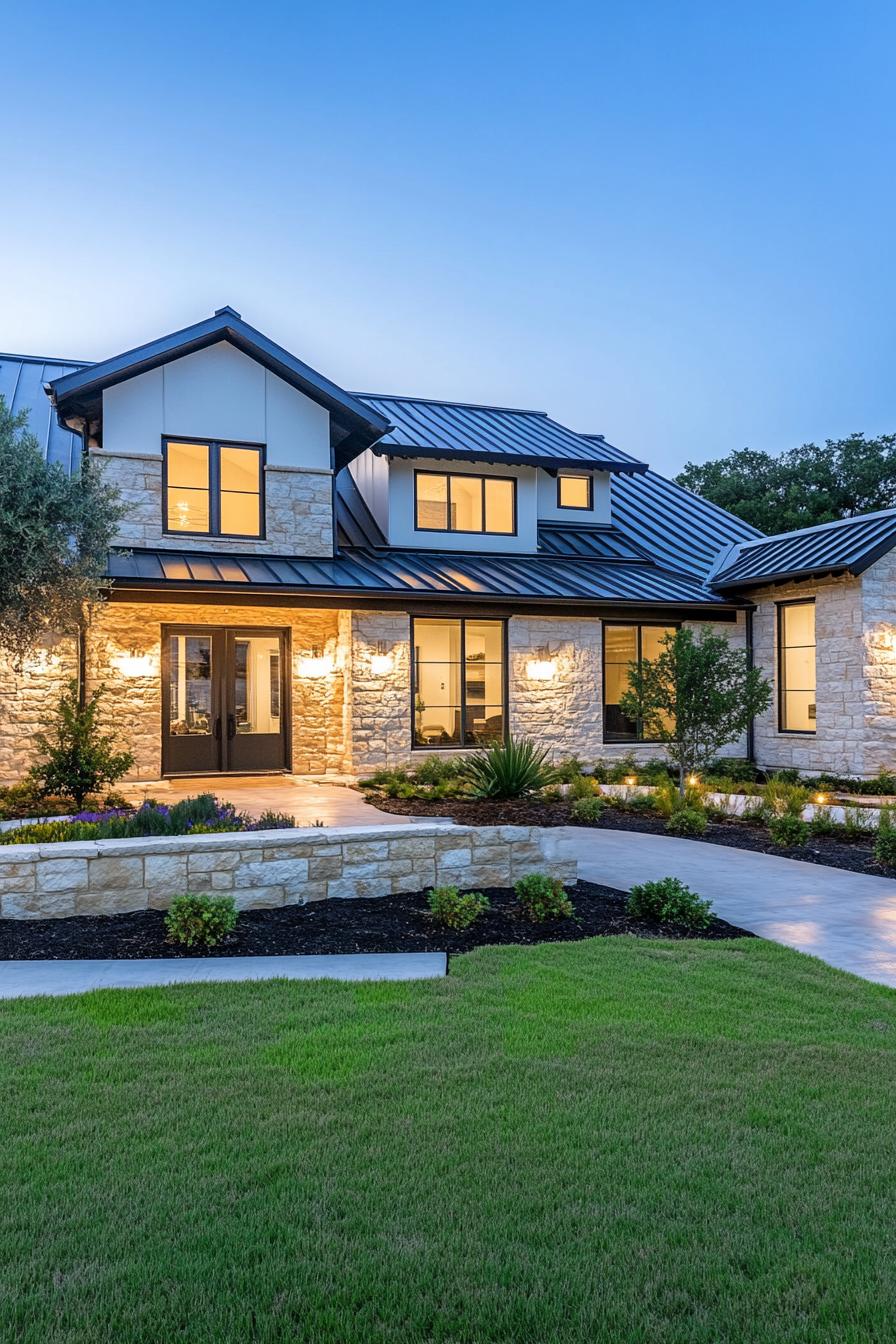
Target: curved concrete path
[[847, 919]]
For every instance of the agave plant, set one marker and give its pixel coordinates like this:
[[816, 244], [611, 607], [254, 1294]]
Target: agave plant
[[509, 769]]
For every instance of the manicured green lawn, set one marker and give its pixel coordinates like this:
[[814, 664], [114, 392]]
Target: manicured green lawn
[[608, 1140]]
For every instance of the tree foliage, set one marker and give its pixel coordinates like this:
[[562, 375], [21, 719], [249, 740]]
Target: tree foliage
[[806, 485], [696, 696], [55, 533]]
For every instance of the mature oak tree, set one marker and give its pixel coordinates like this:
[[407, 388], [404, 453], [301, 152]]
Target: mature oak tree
[[55, 533], [806, 485]]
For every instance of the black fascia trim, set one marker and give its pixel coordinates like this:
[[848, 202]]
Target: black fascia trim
[[85, 383], [549, 462]]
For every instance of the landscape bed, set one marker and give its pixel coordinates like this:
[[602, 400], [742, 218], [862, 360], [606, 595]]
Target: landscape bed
[[399, 923], [854, 855]]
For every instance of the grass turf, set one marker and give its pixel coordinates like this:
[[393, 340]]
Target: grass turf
[[608, 1140]]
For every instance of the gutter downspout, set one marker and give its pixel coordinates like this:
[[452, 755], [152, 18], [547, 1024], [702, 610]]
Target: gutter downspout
[[751, 727]]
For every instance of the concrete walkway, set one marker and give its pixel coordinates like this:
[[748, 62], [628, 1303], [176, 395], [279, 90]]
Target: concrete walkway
[[847, 919], [25, 979], [306, 800]]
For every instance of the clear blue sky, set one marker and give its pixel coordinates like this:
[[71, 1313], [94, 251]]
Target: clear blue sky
[[670, 223]]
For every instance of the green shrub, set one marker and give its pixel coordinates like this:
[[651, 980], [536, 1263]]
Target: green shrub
[[543, 897], [51, 832], [671, 902], [569, 771], [389, 782], [785, 797], [78, 757], [455, 910], [588, 809], [734, 768], [269, 820], [625, 767], [788, 831], [583, 786], [198, 919], [822, 822], [885, 849], [26, 799], [438, 769], [509, 769], [687, 821], [637, 802], [857, 823], [667, 799]]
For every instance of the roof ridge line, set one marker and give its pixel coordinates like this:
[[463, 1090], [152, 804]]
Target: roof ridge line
[[818, 527], [47, 359], [444, 401]]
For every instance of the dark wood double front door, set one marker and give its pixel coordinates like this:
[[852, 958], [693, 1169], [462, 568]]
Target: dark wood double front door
[[224, 700]]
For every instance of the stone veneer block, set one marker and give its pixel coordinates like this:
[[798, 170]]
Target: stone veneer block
[[267, 869]]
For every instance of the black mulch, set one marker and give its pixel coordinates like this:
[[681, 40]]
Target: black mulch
[[856, 856], [384, 924]]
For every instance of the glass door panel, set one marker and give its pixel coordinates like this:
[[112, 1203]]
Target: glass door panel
[[254, 695], [191, 723]]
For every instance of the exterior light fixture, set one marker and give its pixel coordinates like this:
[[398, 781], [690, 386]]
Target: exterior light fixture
[[693, 779], [134, 664], [381, 660], [820, 799], [630, 781], [315, 663], [543, 667]]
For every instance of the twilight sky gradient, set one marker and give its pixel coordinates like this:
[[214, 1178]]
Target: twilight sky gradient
[[671, 223]]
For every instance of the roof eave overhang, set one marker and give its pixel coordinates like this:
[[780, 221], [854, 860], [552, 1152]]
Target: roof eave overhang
[[548, 461], [790, 576], [354, 425], [196, 588]]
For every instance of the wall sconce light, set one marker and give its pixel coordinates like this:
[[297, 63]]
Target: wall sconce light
[[41, 661], [543, 667], [381, 660], [134, 664], [315, 663]]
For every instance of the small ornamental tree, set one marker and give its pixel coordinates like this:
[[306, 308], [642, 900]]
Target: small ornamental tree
[[55, 533], [78, 757], [696, 696]]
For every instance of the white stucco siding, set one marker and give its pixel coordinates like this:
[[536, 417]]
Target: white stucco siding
[[402, 531], [217, 393], [547, 499]]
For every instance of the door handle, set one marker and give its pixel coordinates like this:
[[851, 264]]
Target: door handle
[[231, 726], [217, 729]]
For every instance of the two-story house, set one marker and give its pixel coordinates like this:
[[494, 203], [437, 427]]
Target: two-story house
[[314, 580]]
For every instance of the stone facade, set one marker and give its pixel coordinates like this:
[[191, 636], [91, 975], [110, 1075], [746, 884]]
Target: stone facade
[[839, 741], [28, 695], [266, 869], [298, 509]]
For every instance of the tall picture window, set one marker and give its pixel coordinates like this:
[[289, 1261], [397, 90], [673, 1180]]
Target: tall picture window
[[213, 489], [796, 666], [624, 645], [458, 502], [459, 687]]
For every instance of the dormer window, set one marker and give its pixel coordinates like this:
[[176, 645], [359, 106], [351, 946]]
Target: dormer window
[[574, 492], [212, 489], [460, 502]]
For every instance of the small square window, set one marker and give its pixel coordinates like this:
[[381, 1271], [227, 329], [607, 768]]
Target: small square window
[[574, 492]]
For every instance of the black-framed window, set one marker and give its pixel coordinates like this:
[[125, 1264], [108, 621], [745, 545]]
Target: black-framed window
[[213, 489], [574, 491], [624, 645], [459, 682], [796, 666], [457, 501]]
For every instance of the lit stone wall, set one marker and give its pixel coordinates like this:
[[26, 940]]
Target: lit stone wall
[[839, 741], [267, 869], [298, 509], [380, 716], [879, 666], [124, 653], [27, 696]]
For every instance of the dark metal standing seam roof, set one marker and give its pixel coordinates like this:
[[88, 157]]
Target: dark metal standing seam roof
[[22, 379], [490, 433], [587, 543], [849, 544], [417, 574]]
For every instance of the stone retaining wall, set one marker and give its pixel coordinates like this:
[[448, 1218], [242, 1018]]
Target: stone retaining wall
[[265, 869]]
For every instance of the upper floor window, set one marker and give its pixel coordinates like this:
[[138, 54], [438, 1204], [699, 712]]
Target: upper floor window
[[796, 666], [457, 502], [213, 489], [624, 645], [574, 492]]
